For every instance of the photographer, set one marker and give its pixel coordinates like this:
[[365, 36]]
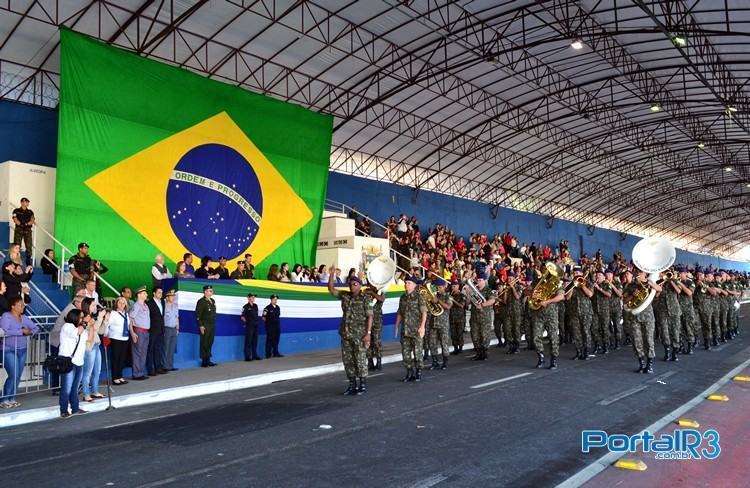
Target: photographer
[[93, 318], [72, 345]]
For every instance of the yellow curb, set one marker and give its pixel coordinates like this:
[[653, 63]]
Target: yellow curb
[[741, 378], [688, 423], [718, 398], [632, 464]]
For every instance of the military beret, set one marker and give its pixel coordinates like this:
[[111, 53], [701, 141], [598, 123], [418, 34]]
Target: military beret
[[511, 274], [440, 282], [600, 271], [412, 279], [207, 287], [81, 245], [481, 275], [454, 282], [274, 296], [681, 269], [356, 280], [170, 293]]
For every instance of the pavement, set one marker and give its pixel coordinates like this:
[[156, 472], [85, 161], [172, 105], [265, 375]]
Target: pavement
[[499, 422]]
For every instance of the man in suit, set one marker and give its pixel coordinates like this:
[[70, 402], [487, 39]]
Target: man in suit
[[156, 333]]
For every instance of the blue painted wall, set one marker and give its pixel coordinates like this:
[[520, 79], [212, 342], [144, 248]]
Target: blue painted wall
[[28, 134]]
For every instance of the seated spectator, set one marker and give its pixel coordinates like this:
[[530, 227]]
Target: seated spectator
[[17, 328], [14, 254], [4, 307], [284, 273], [273, 273], [72, 345], [181, 271], [187, 258], [205, 272], [323, 273], [159, 271], [49, 265], [13, 276], [296, 276], [241, 272], [221, 270]]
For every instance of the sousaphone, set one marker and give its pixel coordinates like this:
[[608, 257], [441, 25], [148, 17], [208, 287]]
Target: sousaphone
[[652, 255]]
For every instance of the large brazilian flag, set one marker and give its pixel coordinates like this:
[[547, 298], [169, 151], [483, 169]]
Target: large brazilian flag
[[155, 159]]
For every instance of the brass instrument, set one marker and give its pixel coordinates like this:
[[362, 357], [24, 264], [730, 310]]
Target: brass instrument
[[472, 293], [652, 255], [433, 306], [547, 286], [508, 286], [578, 281]]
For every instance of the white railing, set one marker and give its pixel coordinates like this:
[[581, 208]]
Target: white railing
[[33, 377]]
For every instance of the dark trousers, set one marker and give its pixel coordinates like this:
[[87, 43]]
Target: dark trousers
[[251, 341], [119, 354], [273, 333], [24, 235], [54, 378], [207, 342], [155, 352]]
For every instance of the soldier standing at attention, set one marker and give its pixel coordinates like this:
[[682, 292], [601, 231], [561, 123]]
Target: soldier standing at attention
[[481, 319], [81, 267], [514, 304], [642, 324], [499, 316], [703, 293], [412, 311], [579, 296], [667, 308], [205, 316], [355, 331], [687, 287], [457, 318], [615, 307], [602, 294], [24, 220], [375, 351], [272, 318], [440, 325]]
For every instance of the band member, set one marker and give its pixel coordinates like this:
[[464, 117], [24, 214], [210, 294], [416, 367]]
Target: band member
[[412, 312], [642, 324], [500, 311], [688, 319], [375, 351], [615, 307], [514, 301], [704, 306], [667, 310], [439, 335], [457, 317], [481, 319], [547, 318], [582, 314], [355, 330], [600, 300]]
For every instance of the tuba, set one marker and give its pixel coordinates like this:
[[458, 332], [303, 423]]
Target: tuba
[[547, 286], [433, 306], [380, 272], [472, 293], [652, 255]]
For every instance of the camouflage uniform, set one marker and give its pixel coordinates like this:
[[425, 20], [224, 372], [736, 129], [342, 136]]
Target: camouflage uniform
[[458, 319], [376, 339], [641, 327], [481, 323], [667, 308], [440, 325], [724, 304], [356, 309], [705, 308], [601, 316], [715, 303], [547, 318], [411, 307], [513, 315], [500, 311], [561, 320], [688, 312], [582, 317], [615, 312], [733, 312]]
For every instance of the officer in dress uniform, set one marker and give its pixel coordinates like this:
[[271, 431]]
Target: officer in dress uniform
[[205, 316], [140, 319], [355, 330], [272, 318], [250, 322], [412, 312]]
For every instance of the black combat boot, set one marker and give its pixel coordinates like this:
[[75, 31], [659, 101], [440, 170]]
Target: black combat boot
[[641, 366], [444, 366], [352, 389], [673, 354], [409, 375], [418, 375], [455, 351], [706, 345], [362, 388], [370, 364], [715, 342], [628, 341], [690, 348], [597, 349], [578, 355], [666, 352], [434, 364], [425, 356], [617, 344], [511, 348], [484, 355], [553, 363], [477, 355], [605, 349], [649, 369], [729, 336], [379, 364], [540, 360], [588, 355]]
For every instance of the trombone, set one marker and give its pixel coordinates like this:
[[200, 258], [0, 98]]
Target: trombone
[[578, 281]]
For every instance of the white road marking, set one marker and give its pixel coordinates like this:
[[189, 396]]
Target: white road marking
[[271, 396], [621, 395], [431, 481], [140, 420], [502, 380]]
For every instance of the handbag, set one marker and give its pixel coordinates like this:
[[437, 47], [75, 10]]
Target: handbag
[[61, 364]]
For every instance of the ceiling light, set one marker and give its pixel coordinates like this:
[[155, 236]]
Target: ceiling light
[[731, 108], [747, 185], [577, 44], [679, 40], [655, 107], [728, 169], [701, 145]]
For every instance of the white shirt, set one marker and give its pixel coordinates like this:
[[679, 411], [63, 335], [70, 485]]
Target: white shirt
[[115, 326], [94, 295], [158, 275], [68, 340]]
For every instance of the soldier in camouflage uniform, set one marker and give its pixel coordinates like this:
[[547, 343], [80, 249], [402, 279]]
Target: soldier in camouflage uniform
[[412, 312], [615, 308], [667, 311], [688, 329], [440, 334], [582, 315], [355, 330], [498, 316], [514, 304], [375, 351], [526, 325], [600, 301], [723, 297], [481, 319], [457, 318], [704, 306], [546, 318], [736, 294], [715, 297], [642, 325]]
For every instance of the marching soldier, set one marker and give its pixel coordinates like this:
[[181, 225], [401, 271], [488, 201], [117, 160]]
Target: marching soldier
[[205, 315], [514, 301], [688, 329], [412, 311], [440, 325], [736, 292], [582, 315], [667, 308], [602, 294], [643, 324], [703, 303], [375, 351], [499, 314], [615, 307], [457, 318], [355, 330], [547, 318], [526, 326], [715, 299], [481, 319]]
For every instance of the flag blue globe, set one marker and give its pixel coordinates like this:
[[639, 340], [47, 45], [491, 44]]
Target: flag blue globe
[[214, 201]]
